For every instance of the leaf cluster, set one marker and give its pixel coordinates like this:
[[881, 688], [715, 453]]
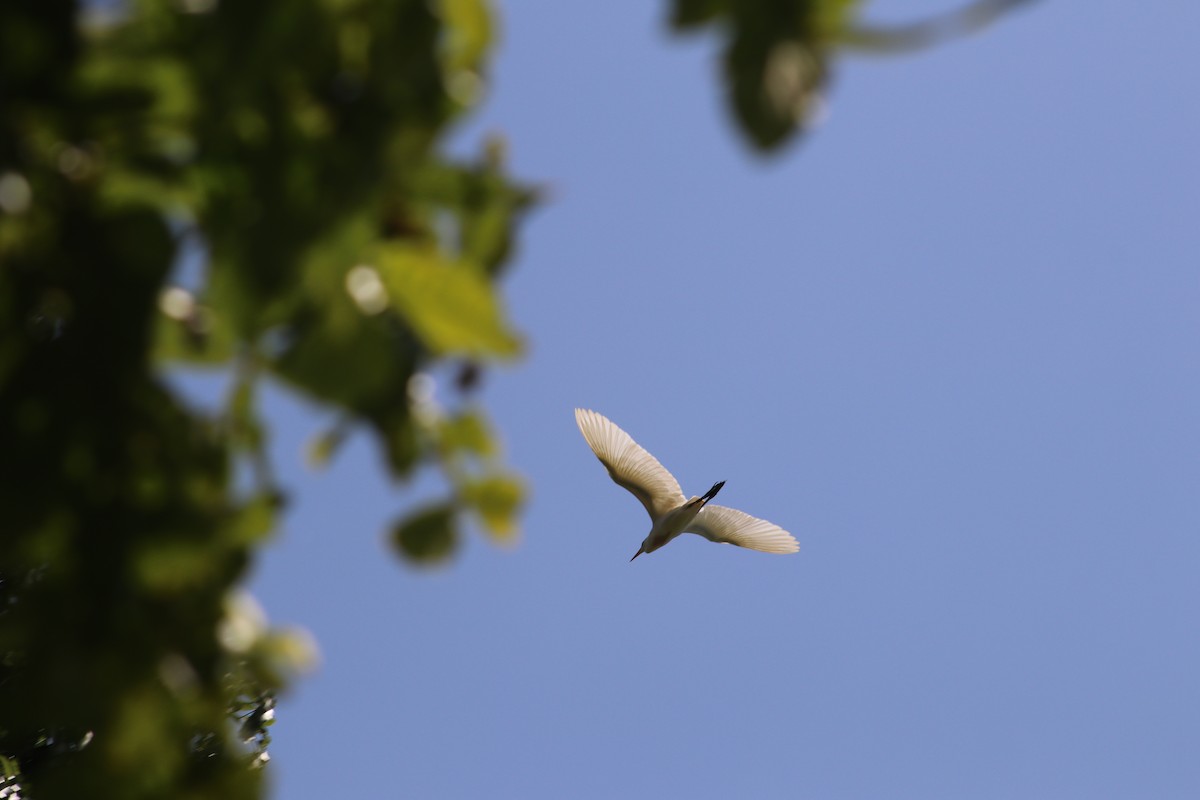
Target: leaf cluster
[[296, 150]]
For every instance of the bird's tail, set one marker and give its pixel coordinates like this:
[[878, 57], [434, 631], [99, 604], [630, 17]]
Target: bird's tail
[[709, 495]]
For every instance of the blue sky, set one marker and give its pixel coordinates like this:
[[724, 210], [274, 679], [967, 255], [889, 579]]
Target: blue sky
[[949, 342]]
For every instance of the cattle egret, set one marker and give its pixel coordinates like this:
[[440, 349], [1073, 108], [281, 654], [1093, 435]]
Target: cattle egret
[[630, 466]]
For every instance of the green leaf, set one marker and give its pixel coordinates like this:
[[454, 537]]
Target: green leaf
[[323, 447], [468, 32], [254, 520], [399, 438], [189, 331], [427, 536], [497, 499], [174, 566], [482, 201], [775, 81], [465, 433], [776, 59], [694, 13], [246, 426], [451, 306]]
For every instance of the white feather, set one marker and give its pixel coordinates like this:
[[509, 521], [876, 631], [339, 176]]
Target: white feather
[[728, 525], [630, 466]]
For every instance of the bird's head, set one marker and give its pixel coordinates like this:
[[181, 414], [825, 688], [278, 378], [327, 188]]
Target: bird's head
[[649, 545]]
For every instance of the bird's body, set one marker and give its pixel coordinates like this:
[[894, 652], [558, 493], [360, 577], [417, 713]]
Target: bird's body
[[676, 521], [631, 467]]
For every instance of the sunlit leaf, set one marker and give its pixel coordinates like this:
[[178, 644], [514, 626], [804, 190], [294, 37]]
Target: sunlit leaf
[[466, 432], [322, 447], [189, 331], [484, 204], [468, 32], [450, 305], [288, 652], [254, 521], [497, 499], [175, 565]]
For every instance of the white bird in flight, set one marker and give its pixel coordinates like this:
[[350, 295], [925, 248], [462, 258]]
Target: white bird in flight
[[630, 466]]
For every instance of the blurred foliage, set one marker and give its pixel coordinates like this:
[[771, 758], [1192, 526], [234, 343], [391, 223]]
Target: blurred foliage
[[778, 54], [296, 150]]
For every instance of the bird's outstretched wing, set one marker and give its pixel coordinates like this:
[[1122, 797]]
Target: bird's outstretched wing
[[629, 465], [721, 524]]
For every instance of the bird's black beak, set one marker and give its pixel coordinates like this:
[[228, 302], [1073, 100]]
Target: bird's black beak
[[638, 553]]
